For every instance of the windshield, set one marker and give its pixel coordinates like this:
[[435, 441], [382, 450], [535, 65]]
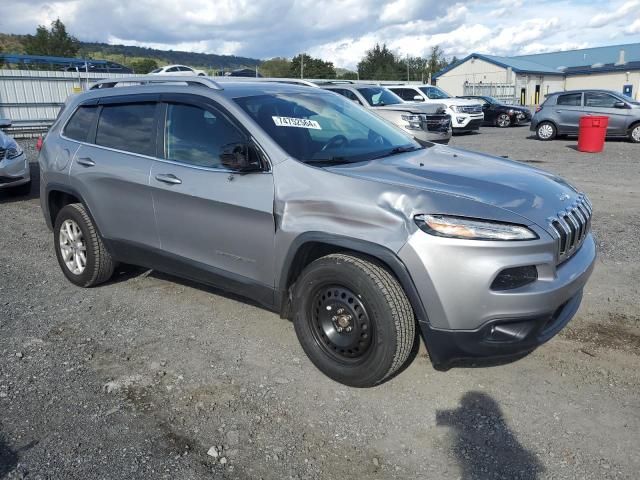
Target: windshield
[[378, 96], [435, 93], [493, 101], [156, 70], [324, 127], [627, 98]]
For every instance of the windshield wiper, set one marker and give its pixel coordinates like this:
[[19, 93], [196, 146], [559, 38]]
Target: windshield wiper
[[328, 161], [397, 150]]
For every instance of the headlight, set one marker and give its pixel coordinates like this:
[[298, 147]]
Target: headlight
[[414, 121], [472, 229], [14, 152], [454, 108]]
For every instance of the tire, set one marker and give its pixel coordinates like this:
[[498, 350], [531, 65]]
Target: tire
[[21, 190], [98, 264], [503, 120], [377, 321], [634, 133], [546, 131]]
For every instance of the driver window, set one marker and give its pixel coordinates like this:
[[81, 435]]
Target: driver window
[[199, 137]]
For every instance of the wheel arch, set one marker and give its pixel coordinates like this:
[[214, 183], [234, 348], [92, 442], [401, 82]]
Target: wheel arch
[[57, 197], [310, 246]]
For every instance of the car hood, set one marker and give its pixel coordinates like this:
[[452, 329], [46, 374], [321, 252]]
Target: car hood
[[457, 101], [526, 191], [6, 141], [413, 107]]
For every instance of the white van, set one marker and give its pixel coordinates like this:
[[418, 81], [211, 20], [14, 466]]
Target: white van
[[466, 115]]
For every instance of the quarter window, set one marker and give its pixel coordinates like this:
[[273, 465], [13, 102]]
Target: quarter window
[[204, 138], [80, 123], [128, 127], [602, 100], [570, 99]]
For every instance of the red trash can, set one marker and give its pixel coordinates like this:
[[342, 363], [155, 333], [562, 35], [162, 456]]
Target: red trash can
[[591, 134]]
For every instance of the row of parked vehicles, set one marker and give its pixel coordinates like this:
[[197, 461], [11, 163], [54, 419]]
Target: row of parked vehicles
[[321, 211]]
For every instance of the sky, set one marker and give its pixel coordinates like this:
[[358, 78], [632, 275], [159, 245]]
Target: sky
[[336, 30]]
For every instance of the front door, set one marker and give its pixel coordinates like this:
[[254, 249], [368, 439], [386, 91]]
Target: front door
[[568, 110], [211, 219], [602, 103]]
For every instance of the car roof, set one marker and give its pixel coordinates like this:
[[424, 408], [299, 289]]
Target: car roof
[[600, 90]]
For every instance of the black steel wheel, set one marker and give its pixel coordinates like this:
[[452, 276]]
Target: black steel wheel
[[353, 319]]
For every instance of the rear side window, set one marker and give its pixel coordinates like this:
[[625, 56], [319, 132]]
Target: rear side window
[[570, 99], [81, 123], [128, 127], [406, 93]]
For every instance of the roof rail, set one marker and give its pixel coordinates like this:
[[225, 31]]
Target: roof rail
[[264, 79], [149, 79], [334, 82]]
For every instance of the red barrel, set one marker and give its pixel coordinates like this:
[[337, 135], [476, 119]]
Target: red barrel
[[591, 133]]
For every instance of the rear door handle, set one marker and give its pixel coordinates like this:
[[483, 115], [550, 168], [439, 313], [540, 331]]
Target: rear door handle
[[168, 178], [86, 161]]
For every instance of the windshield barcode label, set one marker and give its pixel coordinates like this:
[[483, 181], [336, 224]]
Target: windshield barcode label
[[296, 122]]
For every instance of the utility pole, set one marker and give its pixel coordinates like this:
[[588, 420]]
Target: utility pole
[[302, 65], [408, 78]]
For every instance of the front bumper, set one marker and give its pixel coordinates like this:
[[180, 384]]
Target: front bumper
[[466, 123], [520, 118], [468, 322], [14, 172]]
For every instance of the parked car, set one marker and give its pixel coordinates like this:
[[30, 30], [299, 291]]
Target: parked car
[[500, 114], [98, 67], [177, 70], [424, 123], [466, 115], [15, 175], [560, 114], [321, 211]]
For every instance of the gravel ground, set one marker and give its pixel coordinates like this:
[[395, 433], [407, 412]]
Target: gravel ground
[[141, 377]]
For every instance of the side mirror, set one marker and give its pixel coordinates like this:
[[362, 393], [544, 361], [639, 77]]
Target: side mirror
[[5, 123], [418, 98], [241, 157], [619, 105]]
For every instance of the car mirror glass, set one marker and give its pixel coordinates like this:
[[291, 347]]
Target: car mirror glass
[[418, 98]]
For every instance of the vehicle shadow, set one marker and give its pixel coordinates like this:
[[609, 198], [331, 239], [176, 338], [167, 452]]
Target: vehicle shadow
[[8, 459], [7, 196], [484, 445]]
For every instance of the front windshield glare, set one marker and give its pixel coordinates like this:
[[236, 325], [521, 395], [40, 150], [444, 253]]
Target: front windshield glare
[[378, 96], [435, 93], [324, 127]]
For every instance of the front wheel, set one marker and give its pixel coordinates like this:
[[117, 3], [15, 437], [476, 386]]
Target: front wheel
[[503, 120], [634, 133], [546, 131], [353, 319]]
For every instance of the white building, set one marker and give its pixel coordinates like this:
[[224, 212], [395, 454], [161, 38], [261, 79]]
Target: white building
[[527, 79]]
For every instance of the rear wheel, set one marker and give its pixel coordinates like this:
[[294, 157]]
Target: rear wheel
[[503, 120], [546, 131], [353, 319], [81, 254], [634, 133]]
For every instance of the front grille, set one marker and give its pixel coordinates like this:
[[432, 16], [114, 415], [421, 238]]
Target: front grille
[[470, 109], [570, 227], [3, 152], [438, 123]]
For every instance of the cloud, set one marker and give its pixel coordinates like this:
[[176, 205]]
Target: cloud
[[603, 19], [340, 31]]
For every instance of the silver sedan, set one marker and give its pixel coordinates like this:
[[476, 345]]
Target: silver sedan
[[14, 166]]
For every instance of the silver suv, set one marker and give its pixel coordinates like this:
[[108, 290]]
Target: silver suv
[[425, 123], [320, 211], [561, 112]]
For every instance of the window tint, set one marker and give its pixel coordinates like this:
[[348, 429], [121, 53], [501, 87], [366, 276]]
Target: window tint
[[185, 69], [603, 100], [351, 96], [201, 137], [406, 94], [128, 127], [571, 99], [80, 123], [172, 69], [379, 96]]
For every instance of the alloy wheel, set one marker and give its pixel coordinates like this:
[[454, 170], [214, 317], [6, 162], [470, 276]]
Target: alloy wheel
[[545, 131], [73, 247]]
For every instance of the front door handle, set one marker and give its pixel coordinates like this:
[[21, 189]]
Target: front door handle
[[86, 161], [168, 178]]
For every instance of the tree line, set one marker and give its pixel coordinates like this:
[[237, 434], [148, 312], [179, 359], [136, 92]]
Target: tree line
[[378, 63]]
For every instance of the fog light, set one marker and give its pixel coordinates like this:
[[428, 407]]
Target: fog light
[[516, 277], [460, 119]]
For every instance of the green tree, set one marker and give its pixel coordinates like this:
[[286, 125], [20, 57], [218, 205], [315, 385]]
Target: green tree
[[313, 67], [277, 67], [380, 63], [54, 42], [348, 75], [143, 65], [435, 61]]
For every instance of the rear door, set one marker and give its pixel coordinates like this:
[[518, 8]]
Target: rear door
[[211, 219], [567, 112], [111, 171], [602, 103]]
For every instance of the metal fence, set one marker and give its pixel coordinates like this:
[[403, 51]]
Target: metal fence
[[32, 99], [505, 92]]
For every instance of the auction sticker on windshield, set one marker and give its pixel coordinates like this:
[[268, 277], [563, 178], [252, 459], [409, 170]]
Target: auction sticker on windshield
[[296, 122]]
